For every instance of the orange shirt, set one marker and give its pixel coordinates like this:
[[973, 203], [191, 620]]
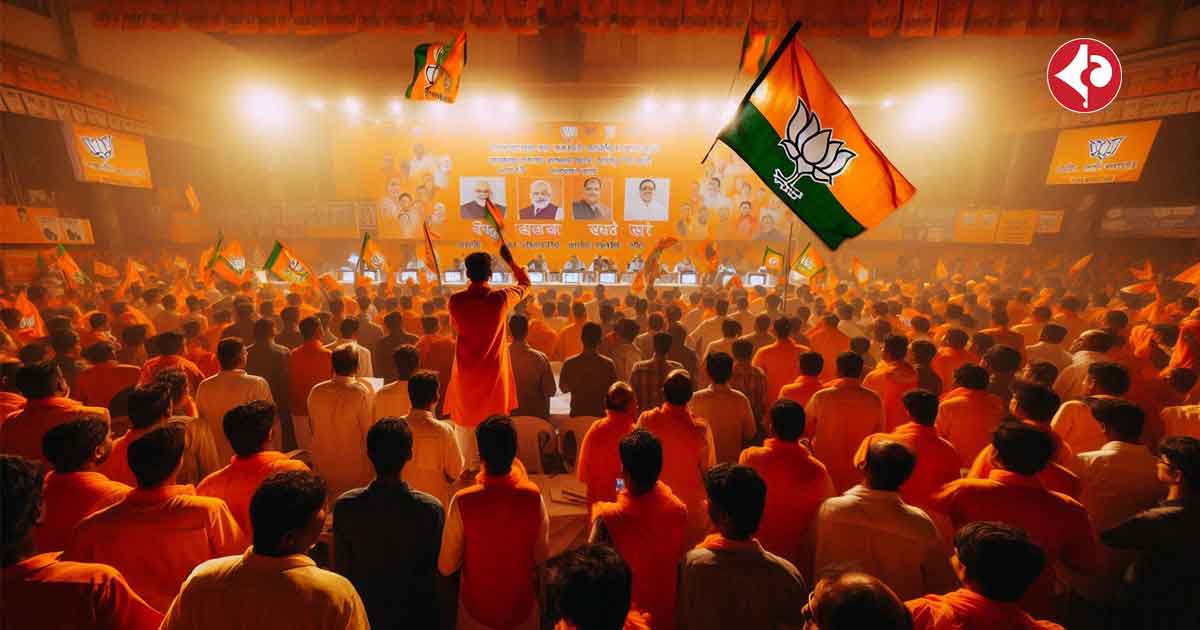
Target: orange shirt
[[481, 379], [891, 380], [570, 342], [967, 418], [170, 362], [410, 320], [947, 361], [842, 416], [781, 362], [44, 592], [649, 531], [1055, 522], [501, 520], [11, 402], [1057, 476], [116, 467], [308, 365], [801, 390], [99, 384], [436, 353], [21, 433], [937, 461], [237, 482], [688, 451], [967, 610], [68, 498], [1004, 336], [829, 342], [1075, 325], [1187, 351], [599, 464], [156, 536], [212, 336], [542, 337], [205, 360], [796, 485]]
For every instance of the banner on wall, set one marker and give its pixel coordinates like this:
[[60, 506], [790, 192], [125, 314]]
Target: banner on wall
[[104, 156], [31, 225], [1156, 222], [1102, 155]]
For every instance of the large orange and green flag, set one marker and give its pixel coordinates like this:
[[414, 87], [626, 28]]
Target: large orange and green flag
[[287, 267], [230, 264], [62, 260], [809, 262], [756, 49], [437, 70], [772, 260], [797, 135]]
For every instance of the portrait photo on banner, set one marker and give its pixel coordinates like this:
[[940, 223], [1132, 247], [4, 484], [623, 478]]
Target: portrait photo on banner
[[540, 198], [647, 198], [592, 198], [473, 195]]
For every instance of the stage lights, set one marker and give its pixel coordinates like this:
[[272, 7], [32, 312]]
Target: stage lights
[[265, 107], [317, 104], [934, 109], [352, 107], [395, 108]]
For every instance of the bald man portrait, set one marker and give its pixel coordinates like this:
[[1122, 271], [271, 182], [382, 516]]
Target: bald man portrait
[[481, 191], [541, 208]]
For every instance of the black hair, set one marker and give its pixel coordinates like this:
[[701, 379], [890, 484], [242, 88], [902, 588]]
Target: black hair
[[849, 365], [677, 388], [1111, 378], [283, 503], [921, 405], [389, 446], [1183, 453], [248, 425], [37, 380], [971, 376], [344, 361], [590, 587], [157, 453], [1036, 402], [1022, 449], [742, 349], [591, 335], [518, 327], [888, 464], [1000, 559], [310, 328], [229, 352], [21, 499], [736, 494], [478, 266], [422, 388], [497, 441], [811, 363], [407, 359], [642, 458], [719, 366], [69, 446], [787, 419], [148, 404]]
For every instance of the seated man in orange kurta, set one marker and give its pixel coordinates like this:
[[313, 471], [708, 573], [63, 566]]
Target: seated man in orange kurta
[[41, 591], [891, 379], [75, 489], [647, 525], [996, 564], [248, 428], [160, 531], [481, 380], [46, 407]]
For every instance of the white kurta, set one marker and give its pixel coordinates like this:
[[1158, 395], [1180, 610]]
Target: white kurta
[[223, 391], [339, 413]]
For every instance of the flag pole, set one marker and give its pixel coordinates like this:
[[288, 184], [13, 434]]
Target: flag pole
[[787, 262], [437, 267]]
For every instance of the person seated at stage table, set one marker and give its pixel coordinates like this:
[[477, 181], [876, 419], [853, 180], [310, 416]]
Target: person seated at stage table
[[42, 591], [538, 263], [685, 265], [635, 264], [573, 264]]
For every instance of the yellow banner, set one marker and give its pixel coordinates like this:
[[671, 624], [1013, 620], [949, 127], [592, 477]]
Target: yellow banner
[[104, 156], [975, 226], [1102, 155]]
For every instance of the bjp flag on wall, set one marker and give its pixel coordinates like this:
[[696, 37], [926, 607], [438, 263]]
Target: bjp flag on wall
[[287, 267], [369, 257], [802, 141], [70, 269], [772, 260], [437, 70]]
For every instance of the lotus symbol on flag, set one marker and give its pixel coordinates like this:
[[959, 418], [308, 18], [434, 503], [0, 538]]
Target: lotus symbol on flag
[[377, 261], [101, 147], [1104, 148], [238, 264], [27, 322], [813, 149], [297, 268]]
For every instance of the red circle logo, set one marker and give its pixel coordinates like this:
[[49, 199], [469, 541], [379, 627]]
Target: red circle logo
[[1084, 75]]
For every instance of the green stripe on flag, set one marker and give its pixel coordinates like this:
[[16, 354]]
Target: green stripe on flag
[[275, 251], [421, 57], [753, 138]]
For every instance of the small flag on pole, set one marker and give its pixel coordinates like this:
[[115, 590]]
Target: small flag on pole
[[809, 262], [30, 325], [860, 272], [1079, 266], [370, 257], [105, 271], [287, 267], [437, 70], [192, 200], [756, 49], [431, 258], [772, 260]]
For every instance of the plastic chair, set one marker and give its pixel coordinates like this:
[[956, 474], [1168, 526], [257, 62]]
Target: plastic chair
[[536, 442], [570, 437]]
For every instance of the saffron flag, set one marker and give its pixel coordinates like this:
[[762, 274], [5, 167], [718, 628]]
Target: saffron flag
[[495, 215], [772, 260], [369, 257], [1140, 288], [756, 49], [62, 260], [105, 271], [1145, 272], [801, 140], [809, 262], [192, 200], [939, 271], [31, 325], [327, 282], [287, 267], [230, 264], [133, 274], [437, 70], [709, 250], [1079, 266], [1191, 275], [860, 273]]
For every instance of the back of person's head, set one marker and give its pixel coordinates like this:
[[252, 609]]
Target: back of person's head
[[289, 315], [677, 388], [348, 328], [72, 445], [1097, 341], [981, 342], [719, 366], [479, 266], [782, 328], [497, 441], [1109, 378], [956, 338], [620, 397], [1002, 359], [736, 498], [264, 330], [762, 323], [148, 405], [742, 350], [1181, 379], [63, 342], [407, 359], [97, 320], [787, 420], [389, 446], [811, 363], [175, 381], [422, 388], [999, 561], [310, 328], [578, 311], [1035, 401], [971, 376], [888, 465], [429, 325], [849, 365], [518, 327], [641, 459], [134, 335], [590, 588], [921, 405], [21, 500], [730, 329], [1122, 420], [1041, 372], [922, 351], [248, 426], [1021, 448], [156, 455], [845, 600], [548, 309], [1182, 455], [662, 343], [860, 345], [344, 361], [230, 352], [1116, 320], [38, 380], [283, 512], [895, 347], [830, 320], [590, 335], [920, 324], [170, 343]]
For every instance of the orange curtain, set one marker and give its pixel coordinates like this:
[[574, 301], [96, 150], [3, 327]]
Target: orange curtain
[[241, 17], [522, 16], [596, 15], [884, 18], [952, 18], [919, 18], [487, 15]]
